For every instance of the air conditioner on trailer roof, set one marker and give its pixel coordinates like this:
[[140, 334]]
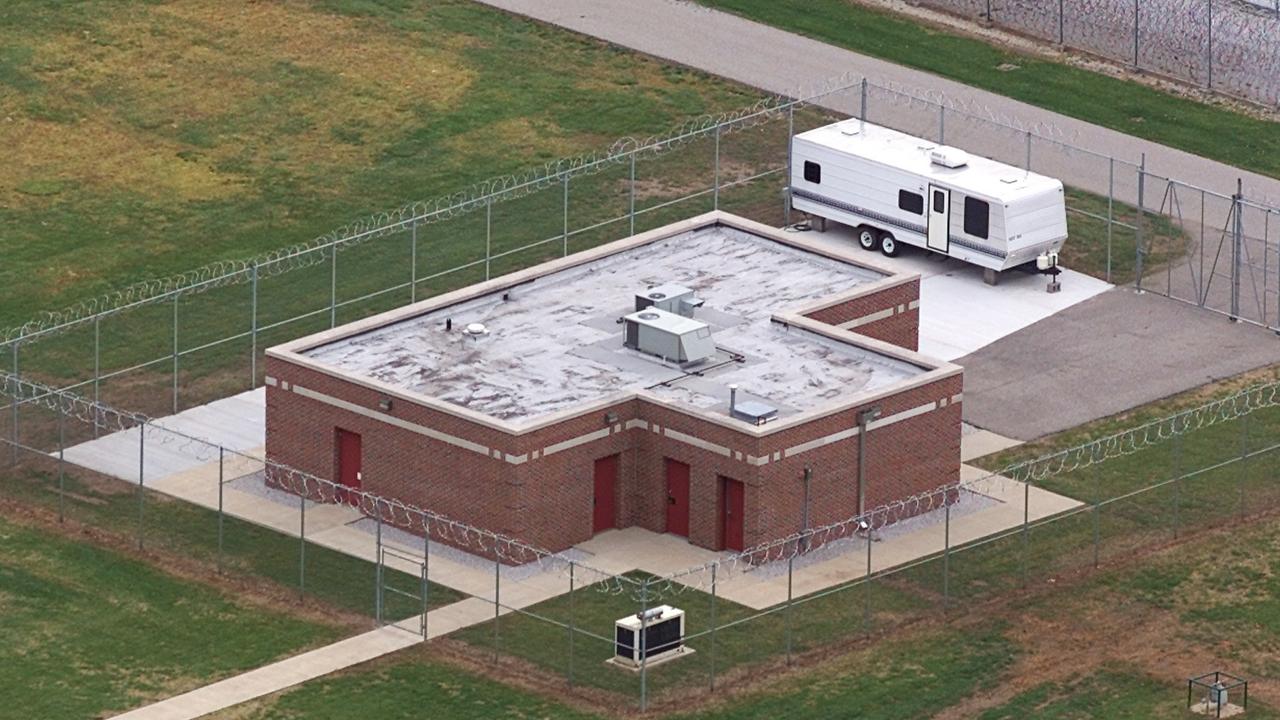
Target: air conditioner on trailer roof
[[663, 636]]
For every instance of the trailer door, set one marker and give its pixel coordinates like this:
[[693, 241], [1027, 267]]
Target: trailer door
[[939, 218]]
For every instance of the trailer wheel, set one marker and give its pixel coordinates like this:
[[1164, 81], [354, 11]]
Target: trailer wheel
[[888, 245], [867, 238]]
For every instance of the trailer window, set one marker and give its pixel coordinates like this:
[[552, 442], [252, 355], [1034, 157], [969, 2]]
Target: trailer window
[[812, 171], [977, 217], [910, 202]]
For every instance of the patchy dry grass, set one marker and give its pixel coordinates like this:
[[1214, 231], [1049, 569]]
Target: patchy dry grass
[[144, 139]]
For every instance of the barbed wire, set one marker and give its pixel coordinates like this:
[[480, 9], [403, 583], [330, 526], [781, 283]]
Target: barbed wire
[[1230, 45], [1035, 471], [503, 188]]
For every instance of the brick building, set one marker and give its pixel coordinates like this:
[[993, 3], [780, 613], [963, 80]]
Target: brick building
[[710, 378]]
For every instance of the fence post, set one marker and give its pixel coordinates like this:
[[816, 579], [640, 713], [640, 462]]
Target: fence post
[[426, 577], [302, 542], [1026, 527], [1209, 68], [866, 589], [488, 234], [413, 260], [1138, 225], [97, 374], [253, 325], [1237, 243], [1028, 160], [946, 556], [791, 132], [942, 124], [62, 443], [862, 106], [497, 600], [1135, 34], [573, 625], [1111, 195], [715, 187], [631, 199], [176, 295], [1244, 458], [988, 13], [644, 650], [790, 608], [221, 473], [377, 564], [1062, 30], [564, 232], [333, 286], [13, 450], [142, 435], [1177, 480], [1097, 503], [713, 625]]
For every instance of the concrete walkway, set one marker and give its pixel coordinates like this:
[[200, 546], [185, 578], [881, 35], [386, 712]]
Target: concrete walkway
[[778, 61]]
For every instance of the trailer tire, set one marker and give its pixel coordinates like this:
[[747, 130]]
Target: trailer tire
[[889, 245], [868, 239]]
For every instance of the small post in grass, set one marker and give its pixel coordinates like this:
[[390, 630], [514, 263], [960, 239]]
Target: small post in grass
[[866, 589], [377, 565], [946, 556], [497, 600], [62, 442], [564, 230], [426, 576], [573, 625], [221, 516], [713, 625], [176, 295], [1177, 481], [302, 541], [1026, 527], [1244, 458], [413, 260], [1097, 503], [790, 608], [142, 435]]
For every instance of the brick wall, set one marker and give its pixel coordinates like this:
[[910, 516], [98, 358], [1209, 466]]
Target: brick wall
[[900, 324], [547, 499]]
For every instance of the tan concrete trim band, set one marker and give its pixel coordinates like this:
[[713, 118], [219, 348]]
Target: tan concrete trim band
[[697, 442], [575, 442]]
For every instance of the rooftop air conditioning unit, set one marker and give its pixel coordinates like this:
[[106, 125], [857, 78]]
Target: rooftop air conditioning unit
[[669, 336], [663, 637], [676, 299], [948, 157]]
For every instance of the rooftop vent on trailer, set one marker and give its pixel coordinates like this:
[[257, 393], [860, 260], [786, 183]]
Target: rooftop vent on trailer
[[948, 157]]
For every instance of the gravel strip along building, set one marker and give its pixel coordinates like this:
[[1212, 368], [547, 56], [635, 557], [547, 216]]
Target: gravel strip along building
[[714, 378]]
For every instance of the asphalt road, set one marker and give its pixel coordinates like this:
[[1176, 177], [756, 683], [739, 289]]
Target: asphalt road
[[1103, 356]]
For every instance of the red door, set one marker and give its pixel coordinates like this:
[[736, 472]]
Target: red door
[[348, 463], [606, 478], [677, 498], [731, 510]]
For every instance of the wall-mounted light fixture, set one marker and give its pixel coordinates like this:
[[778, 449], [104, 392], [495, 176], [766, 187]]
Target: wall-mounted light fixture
[[610, 418], [384, 404]]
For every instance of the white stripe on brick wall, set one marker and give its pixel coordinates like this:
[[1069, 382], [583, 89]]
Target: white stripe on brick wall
[[913, 305], [697, 442], [853, 431], [392, 420], [867, 319], [270, 381], [633, 424], [757, 461], [904, 415], [575, 442], [517, 459], [957, 398]]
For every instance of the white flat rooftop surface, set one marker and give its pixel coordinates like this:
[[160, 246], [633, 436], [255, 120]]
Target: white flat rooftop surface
[[959, 313], [556, 342]]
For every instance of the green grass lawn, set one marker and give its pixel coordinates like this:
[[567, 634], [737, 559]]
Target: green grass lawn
[[334, 579], [1130, 107], [222, 133], [87, 632]]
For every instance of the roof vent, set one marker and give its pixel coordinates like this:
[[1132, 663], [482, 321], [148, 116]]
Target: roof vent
[[476, 330], [949, 157], [756, 413], [676, 299]]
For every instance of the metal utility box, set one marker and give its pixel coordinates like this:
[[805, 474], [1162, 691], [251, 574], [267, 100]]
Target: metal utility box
[[672, 337], [663, 628]]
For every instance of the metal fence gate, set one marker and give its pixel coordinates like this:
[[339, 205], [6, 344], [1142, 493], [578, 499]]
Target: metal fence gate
[[413, 600]]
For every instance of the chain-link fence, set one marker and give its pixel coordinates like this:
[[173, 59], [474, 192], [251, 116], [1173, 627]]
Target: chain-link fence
[[552, 616], [176, 344], [1229, 46]]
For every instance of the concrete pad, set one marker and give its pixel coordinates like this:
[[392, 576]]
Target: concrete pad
[[976, 442], [959, 313]]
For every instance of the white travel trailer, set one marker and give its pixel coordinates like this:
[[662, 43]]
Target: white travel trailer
[[894, 188]]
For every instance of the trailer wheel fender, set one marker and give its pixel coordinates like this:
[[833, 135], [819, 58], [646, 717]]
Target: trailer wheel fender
[[867, 237], [888, 245]]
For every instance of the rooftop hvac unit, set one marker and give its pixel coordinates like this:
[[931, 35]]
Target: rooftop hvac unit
[[669, 336], [948, 157], [663, 635], [676, 299]]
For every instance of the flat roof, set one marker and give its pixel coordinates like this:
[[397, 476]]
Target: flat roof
[[896, 149], [555, 341]]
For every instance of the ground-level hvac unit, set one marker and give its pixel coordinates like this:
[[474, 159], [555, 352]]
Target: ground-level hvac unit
[[663, 635]]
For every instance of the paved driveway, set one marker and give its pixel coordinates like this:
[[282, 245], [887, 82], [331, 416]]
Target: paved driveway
[[1103, 356]]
